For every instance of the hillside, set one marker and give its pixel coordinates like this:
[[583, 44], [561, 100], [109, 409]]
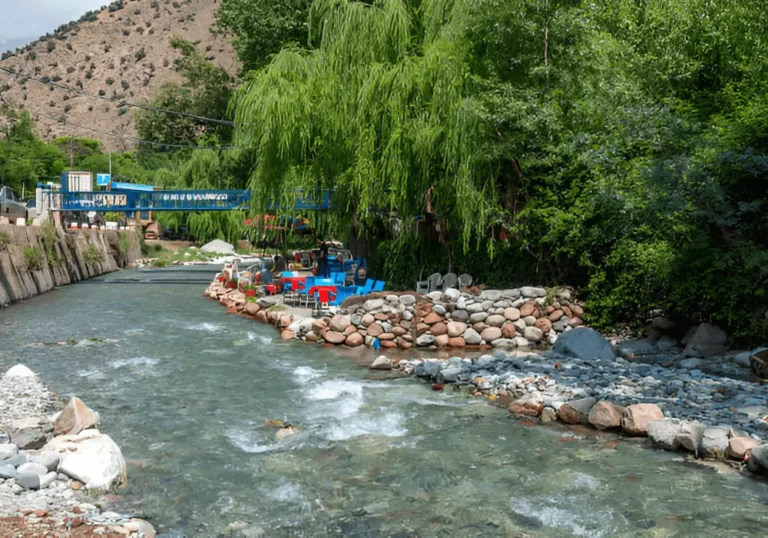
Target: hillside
[[122, 51]]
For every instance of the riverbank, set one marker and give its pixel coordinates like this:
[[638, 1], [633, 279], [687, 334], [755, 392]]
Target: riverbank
[[35, 260], [655, 388], [55, 465]]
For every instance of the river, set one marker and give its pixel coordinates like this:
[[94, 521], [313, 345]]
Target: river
[[185, 389]]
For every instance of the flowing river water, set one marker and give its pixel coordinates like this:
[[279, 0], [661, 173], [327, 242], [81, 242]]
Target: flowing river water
[[185, 389]]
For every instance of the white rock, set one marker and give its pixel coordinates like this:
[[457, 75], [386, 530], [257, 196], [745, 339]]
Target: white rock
[[529, 291], [96, 461], [32, 468], [533, 334], [8, 450], [451, 294], [47, 480], [19, 371], [381, 363]]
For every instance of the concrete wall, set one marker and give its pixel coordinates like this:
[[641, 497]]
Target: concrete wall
[[64, 257]]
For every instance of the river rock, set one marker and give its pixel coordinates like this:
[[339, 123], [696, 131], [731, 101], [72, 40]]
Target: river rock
[[7, 471], [47, 479], [508, 331], [555, 315], [334, 337], [455, 328], [425, 340], [533, 334], [472, 337], [522, 342], [386, 337], [442, 340], [381, 363], [512, 313], [543, 324], [451, 295], [339, 323], [460, 315], [529, 321], [706, 340], [367, 320], [527, 309], [576, 411], [529, 291], [48, 459], [438, 329], [432, 318], [28, 480], [635, 418], [354, 340], [252, 308], [605, 415], [495, 320], [8, 450], [585, 344], [739, 446], [75, 418], [18, 370], [490, 334], [530, 405], [450, 374], [372, 305], [456, 341], [90, 457], [478, 317], [32, 468]]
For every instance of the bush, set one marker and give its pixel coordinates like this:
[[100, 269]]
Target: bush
[[110, 81], [51, 46], [122, 111], [67, 108], [92, 255], [126, 32], [70, 69], [102, 92], [124, 84], [140, 54], [5, 239], [33, 258]]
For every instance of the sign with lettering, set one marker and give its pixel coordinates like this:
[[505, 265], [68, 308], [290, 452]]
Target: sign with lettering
[[103, 180]]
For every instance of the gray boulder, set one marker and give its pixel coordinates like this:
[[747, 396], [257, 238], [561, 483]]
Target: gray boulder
[[706, 340], [407, 300], [585, 344], [491, 295], [714, 441], [28, 434], [690, 436], [451, 295], [460, 315], [663, 433], [758, 459]]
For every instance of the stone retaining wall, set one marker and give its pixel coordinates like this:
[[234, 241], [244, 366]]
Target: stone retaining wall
[[64, 258], [522, 318]]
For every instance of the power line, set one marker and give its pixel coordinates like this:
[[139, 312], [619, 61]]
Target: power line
[[122, 103], [135, 140]]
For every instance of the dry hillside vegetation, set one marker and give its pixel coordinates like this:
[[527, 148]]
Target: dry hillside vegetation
[[121, 52]]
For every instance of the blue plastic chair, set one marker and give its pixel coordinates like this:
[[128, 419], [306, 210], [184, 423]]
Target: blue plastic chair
[[338, 278], [342, 293], [379, 286], [365, 290]]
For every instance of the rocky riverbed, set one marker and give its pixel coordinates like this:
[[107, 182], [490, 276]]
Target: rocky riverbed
[[580, 381], [54, 463]]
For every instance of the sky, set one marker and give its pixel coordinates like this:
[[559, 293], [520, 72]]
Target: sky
[[34, 18]]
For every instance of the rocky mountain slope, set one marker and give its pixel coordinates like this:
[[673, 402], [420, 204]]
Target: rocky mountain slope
[[122, 52]]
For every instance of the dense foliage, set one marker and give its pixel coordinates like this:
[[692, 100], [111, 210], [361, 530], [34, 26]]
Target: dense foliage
[[616, 145]]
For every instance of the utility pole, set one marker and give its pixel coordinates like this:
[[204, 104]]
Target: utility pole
[[71, 155]]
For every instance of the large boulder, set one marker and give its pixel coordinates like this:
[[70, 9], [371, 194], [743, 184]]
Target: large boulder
[[664, 433], [29, 434], [577, 411], [605, 415], [739, 447], [456, 328], [533, 334], [75, 418], [334, 337], [635, 418], [585, 344], [706, 340], [715, 441], [354, 340], [530, 291], [91, 457], [381, 363]]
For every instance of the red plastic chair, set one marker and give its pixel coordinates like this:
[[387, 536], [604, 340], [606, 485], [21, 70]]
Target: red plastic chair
[[325, 295]]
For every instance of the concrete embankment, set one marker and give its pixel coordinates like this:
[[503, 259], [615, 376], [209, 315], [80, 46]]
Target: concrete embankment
[[34, 260]]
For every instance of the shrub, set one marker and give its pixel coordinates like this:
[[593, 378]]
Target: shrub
[[137, 12], [69, 46], [51, 46], [33, 258], [122, 111], [32, 56], [67, 108], [50, 239], [51, 104], [110, 81], [126, 32], [176, 4], [92, 255], [124, 84], [102, 92], [70, 69], [89, 75], [140, 54], [5, 239]]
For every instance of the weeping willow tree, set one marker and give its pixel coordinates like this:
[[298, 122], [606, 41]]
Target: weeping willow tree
[[381, 109], [205, 169]]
